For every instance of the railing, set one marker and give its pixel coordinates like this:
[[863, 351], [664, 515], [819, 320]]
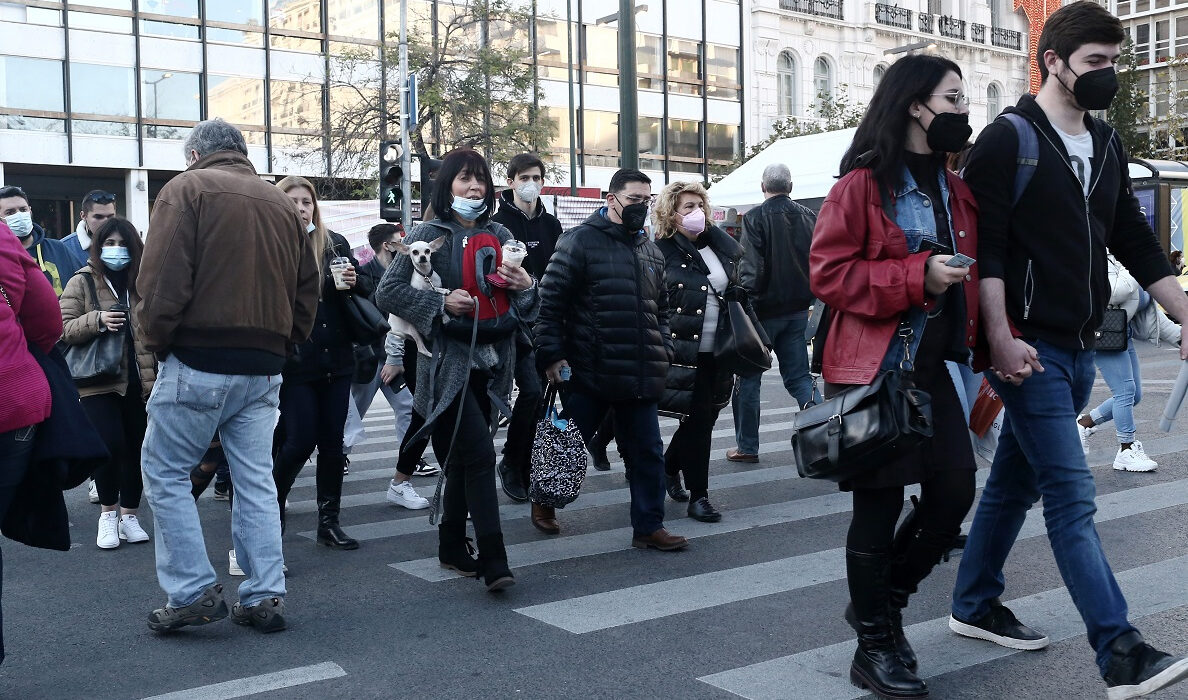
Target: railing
[[893, 16], [951, 27], [925, 21], [1006, 38], [977, 33], [822, 8]]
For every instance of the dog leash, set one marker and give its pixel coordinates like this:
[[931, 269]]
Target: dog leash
[[441, 478]]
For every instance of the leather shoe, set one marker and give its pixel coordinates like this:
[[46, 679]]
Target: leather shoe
[[509, 477], [544, 518], [661, 539], [734, 455], [703, 510], [675, 491]]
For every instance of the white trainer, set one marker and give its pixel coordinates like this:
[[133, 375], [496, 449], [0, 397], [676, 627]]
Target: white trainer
[[1084, 434], [109, 525], [130, 529], [92, 491], [403, 494], [1133, 460]]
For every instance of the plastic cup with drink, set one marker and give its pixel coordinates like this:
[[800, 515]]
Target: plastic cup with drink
[[514, 253], [338, 268]]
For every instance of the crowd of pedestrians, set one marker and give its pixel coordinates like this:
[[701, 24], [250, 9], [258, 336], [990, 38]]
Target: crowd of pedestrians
[[243, 334]]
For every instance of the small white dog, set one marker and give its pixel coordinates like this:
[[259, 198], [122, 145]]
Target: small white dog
[[423, 277]]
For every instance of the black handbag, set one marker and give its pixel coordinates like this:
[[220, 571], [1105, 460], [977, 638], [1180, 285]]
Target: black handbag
[[365, 323], [1113, 335], [862, 427], [739, 347], [99, 360]]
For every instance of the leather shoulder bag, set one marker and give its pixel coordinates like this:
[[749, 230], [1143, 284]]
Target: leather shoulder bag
[[739, 347], [100, 359], [1113, 335]]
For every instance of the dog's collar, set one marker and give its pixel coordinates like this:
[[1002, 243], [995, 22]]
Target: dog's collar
[[427, 278]]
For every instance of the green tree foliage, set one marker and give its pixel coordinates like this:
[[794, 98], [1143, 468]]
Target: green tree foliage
[[1128, 112]]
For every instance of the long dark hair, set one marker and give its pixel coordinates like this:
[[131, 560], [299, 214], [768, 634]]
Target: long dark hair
[[456, 162], [118, 224], [883, 129]]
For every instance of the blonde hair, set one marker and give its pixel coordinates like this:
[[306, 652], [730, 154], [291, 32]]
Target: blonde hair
[[319, 237], [666, 206]]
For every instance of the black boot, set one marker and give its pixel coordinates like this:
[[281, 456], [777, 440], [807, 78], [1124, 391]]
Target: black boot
[[329, 501], [492, 562], [913, 559], [454, 550], [876, 667]]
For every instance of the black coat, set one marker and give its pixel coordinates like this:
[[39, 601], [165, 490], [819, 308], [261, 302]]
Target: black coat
[[774, 267], [329, 352], [687, 277], [539, 233], [604, 309]]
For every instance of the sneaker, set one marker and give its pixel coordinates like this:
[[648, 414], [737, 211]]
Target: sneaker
[[346, 467], [92, 491], [130, 530], [1133, 460], [233, 564], [1084, 433], [426, 469], [222, 490], [267, 616], [1138, 669], [209, 607], [109, 526], [1000, 626], [403, 494]]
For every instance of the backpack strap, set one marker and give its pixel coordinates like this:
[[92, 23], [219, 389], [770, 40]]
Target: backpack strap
[[1027, 157]]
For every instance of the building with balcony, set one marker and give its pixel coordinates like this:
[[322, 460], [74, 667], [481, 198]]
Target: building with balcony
[[1159, 30]]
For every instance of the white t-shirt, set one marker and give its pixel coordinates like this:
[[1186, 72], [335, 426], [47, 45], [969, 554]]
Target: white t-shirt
[[717, 278], [1080, 154]]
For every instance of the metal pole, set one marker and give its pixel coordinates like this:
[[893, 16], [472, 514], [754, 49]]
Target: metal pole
[[628, 106], [572, 111], [405, 121]]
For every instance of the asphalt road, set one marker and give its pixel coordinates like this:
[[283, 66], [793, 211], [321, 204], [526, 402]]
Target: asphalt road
[[751, 609]]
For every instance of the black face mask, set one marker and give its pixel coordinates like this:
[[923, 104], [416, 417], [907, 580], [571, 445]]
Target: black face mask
[[634, 216], [1094, 89], [949, 131]]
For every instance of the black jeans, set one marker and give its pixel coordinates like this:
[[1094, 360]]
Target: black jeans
[[470, 474], [411, 452], [16, 448], [121, 422], [521, 430], [689, 449], [312, 414]]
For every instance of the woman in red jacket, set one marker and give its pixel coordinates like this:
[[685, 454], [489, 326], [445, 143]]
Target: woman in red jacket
[[878, 259]]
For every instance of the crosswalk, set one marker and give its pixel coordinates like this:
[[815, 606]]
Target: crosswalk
[[763, 498]]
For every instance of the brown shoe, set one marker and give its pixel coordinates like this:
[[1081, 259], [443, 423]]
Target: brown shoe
[[735, 456], [661, 539], [545, 519]]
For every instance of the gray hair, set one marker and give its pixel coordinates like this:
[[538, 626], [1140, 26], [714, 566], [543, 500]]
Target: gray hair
[[777, 179], [214, 135]]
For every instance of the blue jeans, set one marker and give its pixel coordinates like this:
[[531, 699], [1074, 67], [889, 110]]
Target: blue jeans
[[1121, 372], [637, 431], [791, 349], [364, 394], [186, 408], [1039, 454]]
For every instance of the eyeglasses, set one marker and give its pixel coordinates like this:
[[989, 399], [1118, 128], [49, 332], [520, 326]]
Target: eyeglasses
[[637, 199], [956, 98], [101, 197]]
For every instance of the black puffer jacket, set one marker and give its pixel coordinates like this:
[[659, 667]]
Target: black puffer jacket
[[604, 309], [329, 352], [774, 267], [687, 277]]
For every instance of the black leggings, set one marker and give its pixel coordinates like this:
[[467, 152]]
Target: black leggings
[[945, 498], [411, 452], [121, 422], [312, 414], [470, 474], [689, 449]]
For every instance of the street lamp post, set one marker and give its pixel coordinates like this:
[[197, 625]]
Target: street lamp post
[[628, 102], [164, 76]]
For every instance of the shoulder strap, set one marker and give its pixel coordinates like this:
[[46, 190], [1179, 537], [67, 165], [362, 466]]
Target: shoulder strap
[[90, 280], [1027, 157]]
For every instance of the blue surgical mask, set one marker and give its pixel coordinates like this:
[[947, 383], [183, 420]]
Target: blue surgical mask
[[310, 228], [115, 257], [21, 223], [469, 209]]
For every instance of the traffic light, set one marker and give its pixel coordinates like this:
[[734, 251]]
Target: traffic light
[[391, 177], [429, 168]]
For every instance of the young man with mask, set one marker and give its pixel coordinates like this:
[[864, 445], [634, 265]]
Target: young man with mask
[[1044, 287], [53, 257], [603, 335], [97, 207], [521, 211]]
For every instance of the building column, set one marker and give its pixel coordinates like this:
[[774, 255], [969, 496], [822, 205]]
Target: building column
[[1, 174], [136, 197]]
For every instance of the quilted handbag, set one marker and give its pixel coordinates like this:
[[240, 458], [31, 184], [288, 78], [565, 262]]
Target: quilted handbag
[[559, 458], [1113, 335], [98, 360]]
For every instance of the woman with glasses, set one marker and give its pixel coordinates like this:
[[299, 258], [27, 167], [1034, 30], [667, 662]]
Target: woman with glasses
[[882, 258]]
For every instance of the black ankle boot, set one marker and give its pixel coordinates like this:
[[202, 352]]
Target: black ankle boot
[[454, 550], [876, 666], [329, 533], [492, 562], [914, 558]]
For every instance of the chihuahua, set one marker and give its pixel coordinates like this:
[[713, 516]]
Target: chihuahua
[[423, 277]]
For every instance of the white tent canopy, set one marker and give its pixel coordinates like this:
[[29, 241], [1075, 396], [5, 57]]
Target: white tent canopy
[[813, 161]]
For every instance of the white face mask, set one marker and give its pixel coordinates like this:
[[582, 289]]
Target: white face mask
[[21, 223], [309, 228], [528, 191]]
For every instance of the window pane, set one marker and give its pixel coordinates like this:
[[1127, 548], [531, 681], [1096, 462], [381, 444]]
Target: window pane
[[684, 138], [80, 126], [238, 100], [294, 44], [787, 89], [559, 148], [721, 68], [879, 71], [602, 51], [649, 67], [354, 18], [684, 63], [677, 166], [304, 15], [552, 50], [170, 95], [649, 136], [96, 89], [1162, 39], [822, 80], [179, 31], [173, 133], [234, 36], [721, 141], [1181, 35], [176, 8], [17, 123], [32, 83], [237, 11], [600, 131], [296, 105], [103, 23], [37, 15]]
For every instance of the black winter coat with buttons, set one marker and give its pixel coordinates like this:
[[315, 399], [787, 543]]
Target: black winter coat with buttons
[[604, 309], [329, 352], [687, 277]]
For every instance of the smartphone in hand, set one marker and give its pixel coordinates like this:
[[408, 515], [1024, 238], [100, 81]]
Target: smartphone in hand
[[960, 260]]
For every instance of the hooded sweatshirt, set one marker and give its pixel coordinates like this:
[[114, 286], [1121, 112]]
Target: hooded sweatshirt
[[53, 257]]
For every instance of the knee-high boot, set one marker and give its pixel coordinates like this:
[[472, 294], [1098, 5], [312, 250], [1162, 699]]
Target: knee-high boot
[[876, 667], [915, 554], [329, 503], [284, 473]]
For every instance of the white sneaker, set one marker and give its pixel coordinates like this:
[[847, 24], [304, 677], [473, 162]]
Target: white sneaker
[[403, 494], [1133, 460], [1084, 433], [109, 525], [233, 565], [130, 529], [92, 491]]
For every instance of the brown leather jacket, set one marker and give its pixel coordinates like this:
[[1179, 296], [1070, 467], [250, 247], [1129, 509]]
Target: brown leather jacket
[[227, 263]]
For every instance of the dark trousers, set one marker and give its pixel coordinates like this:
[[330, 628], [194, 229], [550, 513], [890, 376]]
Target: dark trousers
[[16, 447], [470, 473], [521, 431], [945, 498], [411, 451], [312, 414], [637, 430], [121, 422], [689, 449]]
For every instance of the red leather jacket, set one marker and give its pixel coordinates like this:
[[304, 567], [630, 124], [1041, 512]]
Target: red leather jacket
[[860, 266]]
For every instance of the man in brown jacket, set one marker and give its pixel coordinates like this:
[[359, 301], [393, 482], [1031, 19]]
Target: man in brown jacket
[[228, 283]]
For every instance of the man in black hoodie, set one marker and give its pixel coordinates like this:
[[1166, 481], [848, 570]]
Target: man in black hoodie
[[522, 213], [1042, 259]]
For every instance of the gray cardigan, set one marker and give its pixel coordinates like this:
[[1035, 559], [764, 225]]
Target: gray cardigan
[[425, 309]]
